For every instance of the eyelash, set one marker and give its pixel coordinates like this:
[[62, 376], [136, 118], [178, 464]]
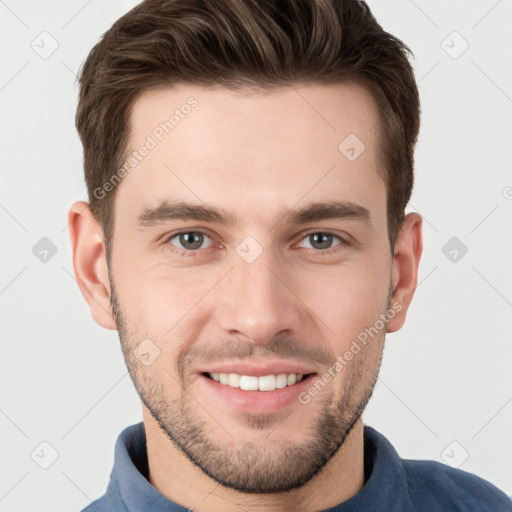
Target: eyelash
[[197, 252]]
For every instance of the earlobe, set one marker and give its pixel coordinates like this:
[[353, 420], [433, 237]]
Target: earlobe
[[89, 263], [404, 276]]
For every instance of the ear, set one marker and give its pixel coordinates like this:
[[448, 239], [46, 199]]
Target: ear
[[406, 260], [90, 262]]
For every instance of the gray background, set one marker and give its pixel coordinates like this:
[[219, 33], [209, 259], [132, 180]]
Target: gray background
[[445, 390]]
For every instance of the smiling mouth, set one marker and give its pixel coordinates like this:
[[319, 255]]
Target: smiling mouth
[[253, 383]]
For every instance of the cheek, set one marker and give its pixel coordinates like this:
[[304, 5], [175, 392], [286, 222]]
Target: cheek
[[164, 306], [158, 295], [351, 301]]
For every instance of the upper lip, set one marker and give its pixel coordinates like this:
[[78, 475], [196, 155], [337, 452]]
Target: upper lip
[[259, 370]]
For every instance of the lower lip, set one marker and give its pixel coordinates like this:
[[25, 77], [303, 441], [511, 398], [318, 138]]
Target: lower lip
[[258, 402]]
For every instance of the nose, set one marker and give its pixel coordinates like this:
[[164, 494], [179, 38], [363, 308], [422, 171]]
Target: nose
[[258, 301]]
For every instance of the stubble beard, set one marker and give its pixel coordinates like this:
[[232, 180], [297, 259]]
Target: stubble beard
[[249, 467]]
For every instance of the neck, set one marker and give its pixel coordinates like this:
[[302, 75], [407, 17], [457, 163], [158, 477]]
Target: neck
[[179, 480]]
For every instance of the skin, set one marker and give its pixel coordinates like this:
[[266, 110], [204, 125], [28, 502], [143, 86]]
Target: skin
[[256, 155]]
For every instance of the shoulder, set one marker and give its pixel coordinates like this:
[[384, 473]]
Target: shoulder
[[439, 485], [111, 501], [107, 502], [427, 485]]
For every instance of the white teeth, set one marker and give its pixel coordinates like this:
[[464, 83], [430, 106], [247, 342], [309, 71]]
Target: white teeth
[[281, 380], [252, 383], [248, 383], [267, 383], [234, 380]]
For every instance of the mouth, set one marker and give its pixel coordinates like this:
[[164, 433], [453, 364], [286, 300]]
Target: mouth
[[269, 382], [257, 386], [266, 393]]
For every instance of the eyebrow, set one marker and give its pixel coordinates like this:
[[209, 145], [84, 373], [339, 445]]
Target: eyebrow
[[178, 210]]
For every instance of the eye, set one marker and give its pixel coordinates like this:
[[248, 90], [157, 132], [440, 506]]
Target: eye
[[190, 240], [322, 240]]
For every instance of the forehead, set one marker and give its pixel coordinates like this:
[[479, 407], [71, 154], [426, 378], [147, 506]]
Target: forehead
[[201, 117], [257, 151]]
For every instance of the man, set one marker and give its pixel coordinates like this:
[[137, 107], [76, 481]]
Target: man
[[248, 165]]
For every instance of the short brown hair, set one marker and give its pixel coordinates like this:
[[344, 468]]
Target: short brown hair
[[236, 43]]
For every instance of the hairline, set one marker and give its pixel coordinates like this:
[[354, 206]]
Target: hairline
[[253, 87]]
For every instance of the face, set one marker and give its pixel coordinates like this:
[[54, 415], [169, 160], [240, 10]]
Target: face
[[250, 253]]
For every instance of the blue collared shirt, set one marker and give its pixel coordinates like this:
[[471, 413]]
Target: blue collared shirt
[[392, 484]]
